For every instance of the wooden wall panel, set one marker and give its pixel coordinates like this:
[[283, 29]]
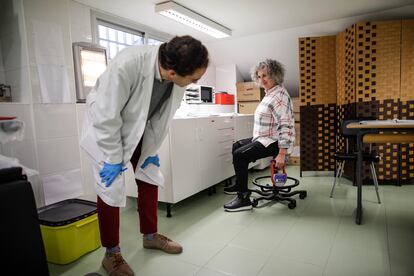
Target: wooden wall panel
[[377, 60], [407, 60], [318, 102], [325, 78], [388, 60], [307, 59]]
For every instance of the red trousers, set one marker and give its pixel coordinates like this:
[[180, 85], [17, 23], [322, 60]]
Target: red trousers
[[147, 209]]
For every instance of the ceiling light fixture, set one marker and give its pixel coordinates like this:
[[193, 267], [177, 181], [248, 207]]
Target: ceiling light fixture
[[187, 17]]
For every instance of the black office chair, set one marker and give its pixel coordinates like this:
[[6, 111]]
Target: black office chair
[[350, 155], [22, 242], [270, 191]]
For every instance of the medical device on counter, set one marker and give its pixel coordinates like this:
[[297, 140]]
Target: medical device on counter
[[198, 94]]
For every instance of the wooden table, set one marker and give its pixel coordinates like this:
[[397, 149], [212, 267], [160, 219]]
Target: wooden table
[[402, 131]]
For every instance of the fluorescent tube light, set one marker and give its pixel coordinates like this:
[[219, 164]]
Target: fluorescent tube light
[[187, 17]]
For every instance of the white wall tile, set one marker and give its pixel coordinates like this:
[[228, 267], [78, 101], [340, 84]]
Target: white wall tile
[[55, 120], [51, 13], [14, 53], [88, 181], [58, 155], [58, 187], [23, 113], [80, 22], [86, 166], [80, 114], [18, 79], [35, 84], [24, 151]]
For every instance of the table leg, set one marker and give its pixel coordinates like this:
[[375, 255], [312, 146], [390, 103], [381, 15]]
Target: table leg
[[358, 218]]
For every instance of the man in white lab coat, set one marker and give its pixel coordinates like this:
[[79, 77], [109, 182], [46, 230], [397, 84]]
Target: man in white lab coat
[[128, 115]]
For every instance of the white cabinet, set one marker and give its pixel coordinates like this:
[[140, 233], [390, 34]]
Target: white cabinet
[[184, 161], [197, 154]]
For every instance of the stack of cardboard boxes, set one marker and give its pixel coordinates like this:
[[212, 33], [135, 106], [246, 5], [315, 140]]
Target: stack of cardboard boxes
[[249, 96], [294, 158]]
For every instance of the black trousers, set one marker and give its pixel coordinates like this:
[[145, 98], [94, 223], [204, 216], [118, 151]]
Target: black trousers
[[246, 151]]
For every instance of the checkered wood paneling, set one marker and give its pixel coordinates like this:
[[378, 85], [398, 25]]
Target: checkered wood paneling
[[374, 67], [317, 100], [326, 137], [317, 138], [340, 69], [343, 112], [307, 60], [308, 138], [345, 68], [325, 70], [349, 93], [377, 60], [317, 70], [407, 60], [407, 150], [388, 167]]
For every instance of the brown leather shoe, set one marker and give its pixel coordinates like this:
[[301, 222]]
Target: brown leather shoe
[[163, 243], [115, 265]]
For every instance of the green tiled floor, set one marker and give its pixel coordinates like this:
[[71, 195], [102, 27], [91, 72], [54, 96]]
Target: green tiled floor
[[319, 237]]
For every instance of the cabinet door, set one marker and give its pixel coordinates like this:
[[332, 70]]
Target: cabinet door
[[166, 194], [208, 149], [185, 158]]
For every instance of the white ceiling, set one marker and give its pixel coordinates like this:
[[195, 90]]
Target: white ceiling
[[261, 28], [245, 17]]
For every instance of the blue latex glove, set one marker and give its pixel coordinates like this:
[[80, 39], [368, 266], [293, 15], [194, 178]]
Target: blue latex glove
[[109, 172], [151, 160]]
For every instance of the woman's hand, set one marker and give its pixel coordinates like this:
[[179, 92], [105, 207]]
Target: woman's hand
[[281, 159]]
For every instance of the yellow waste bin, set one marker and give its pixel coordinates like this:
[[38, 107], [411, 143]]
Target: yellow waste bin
[[69, 229]]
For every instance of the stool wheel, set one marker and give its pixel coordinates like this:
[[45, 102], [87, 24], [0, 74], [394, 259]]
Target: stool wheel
[[292, 205], [303, 195], [255, 202]]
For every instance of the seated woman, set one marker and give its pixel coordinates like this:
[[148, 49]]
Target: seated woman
[[273, 132]]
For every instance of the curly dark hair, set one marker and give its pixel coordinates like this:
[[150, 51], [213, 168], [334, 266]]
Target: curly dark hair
[[184, 55]]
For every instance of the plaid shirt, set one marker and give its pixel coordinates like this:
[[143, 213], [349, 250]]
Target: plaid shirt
[[273, 119]]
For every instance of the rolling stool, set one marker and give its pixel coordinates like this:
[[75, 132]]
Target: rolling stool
[[275, 192]]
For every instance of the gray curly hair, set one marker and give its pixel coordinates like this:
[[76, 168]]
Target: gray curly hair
[[275, 70]]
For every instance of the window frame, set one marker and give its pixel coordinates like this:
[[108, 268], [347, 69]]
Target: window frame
[[124, 25]]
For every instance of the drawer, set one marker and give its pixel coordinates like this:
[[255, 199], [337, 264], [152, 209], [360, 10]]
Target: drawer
[[225, 134], [225, 147], [224, 122]]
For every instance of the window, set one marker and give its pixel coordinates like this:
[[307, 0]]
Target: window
[[115, 38], [116, 34]]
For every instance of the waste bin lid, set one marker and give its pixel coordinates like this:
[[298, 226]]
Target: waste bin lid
[[66, 212]]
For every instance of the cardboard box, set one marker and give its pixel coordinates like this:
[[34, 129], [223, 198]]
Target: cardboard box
[[246, 86], [250, 95], [297, 134], [296, 115], [248, 107], [296, 104]]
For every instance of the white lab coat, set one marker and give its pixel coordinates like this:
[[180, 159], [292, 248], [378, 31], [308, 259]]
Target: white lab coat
[[116, 119]]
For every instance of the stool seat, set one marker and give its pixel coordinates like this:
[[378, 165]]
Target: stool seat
[[367, 157], [373, 157], [344, 156]]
